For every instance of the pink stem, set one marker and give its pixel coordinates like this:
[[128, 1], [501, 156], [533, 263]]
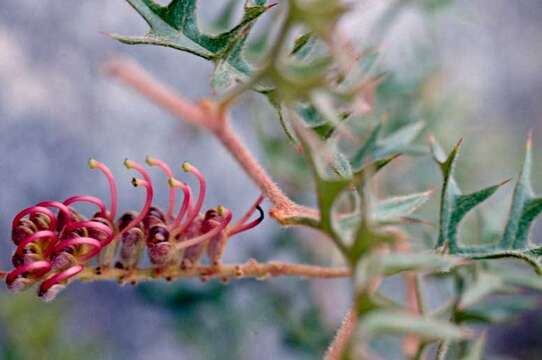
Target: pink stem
[[40, 267], [78, 241], [93, 164], [187, 200], [208, 235], [144, 210], [33, 210], [88, 199], [36, 236], [167, 170], [60, 206], [57, 278], [201, 194]]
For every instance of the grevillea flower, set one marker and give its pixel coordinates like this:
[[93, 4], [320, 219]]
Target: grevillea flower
[[55, 242]]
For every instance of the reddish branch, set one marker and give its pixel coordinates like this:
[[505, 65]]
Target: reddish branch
[[211, 116]]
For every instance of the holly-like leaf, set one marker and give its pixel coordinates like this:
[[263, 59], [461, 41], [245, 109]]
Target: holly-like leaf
[[176, 26], [526, 206], [454, 204]]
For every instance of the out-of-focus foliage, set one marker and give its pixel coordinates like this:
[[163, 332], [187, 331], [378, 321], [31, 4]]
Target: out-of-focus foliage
[[31, 332]]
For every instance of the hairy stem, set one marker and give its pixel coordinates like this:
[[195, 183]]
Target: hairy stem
[[343, 335]]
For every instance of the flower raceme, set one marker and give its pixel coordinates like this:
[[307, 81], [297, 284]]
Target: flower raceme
[[55, 241]]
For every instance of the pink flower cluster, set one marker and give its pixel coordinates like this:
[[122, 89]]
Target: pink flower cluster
[[55, 241]]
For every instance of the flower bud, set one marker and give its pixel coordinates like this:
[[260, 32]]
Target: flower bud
[[131, 246], [159, 248]]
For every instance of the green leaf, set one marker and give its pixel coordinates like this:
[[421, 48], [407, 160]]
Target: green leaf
[[176, 26], [497, 310], [304, 46], [378, 147], [402, 323], [366, 237], [454, 204], [525, 208], [375, 266], [395, 209], [518, 279], [362, 71], [320, 16]]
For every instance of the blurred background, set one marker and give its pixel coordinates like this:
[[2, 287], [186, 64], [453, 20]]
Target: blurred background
[[470, 69]]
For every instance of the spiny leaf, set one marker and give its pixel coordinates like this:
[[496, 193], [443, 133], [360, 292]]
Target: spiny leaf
[[176, 25], [377, 147], [525, 208], [454, 204]]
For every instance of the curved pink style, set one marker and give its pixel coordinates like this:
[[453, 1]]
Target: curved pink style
[[95, 245], [36, 236], [208, 235], [201, 194], [40, 267], [35, 210], [57, 278], [60, 206], [146, 206], [241, 225], [90, 224], [88, 199], [93, 164], [187, 201], [167, 171]]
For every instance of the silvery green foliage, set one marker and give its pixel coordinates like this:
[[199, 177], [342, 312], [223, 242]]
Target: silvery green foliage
[[315, 104]]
